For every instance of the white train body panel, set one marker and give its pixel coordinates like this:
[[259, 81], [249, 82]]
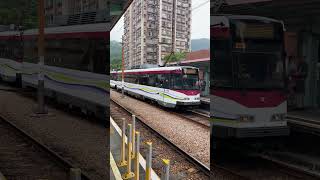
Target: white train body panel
[[90, 87], [165, 97], [8, 69], [229, 109]]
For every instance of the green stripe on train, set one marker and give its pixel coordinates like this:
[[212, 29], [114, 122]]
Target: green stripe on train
[[154, 91], [226, 121], [62, 78]]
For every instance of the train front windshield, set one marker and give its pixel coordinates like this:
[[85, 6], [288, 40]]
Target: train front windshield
[[188, 80], [251, 56]]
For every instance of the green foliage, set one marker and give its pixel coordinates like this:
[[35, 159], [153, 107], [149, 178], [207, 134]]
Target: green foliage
[[175, 57], [116, 64], [19, 12], [115, 55]]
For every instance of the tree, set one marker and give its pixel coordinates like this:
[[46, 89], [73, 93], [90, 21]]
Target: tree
[[19, 12], [174, 57], [116, 64]]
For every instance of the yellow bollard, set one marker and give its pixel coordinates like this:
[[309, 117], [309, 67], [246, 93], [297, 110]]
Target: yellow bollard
[[149, 161], [166, 169], [123, 161], [136, 160], [129, 174], [75, 174], [133, 136]]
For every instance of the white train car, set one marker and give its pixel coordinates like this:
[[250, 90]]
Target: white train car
[[248, 97], [168, 86], [11, 54], [75, 66]]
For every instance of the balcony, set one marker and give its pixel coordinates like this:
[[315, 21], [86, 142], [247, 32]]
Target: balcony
[[81, 18]]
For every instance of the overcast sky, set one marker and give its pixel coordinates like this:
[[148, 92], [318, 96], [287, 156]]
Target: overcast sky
[[200, 26]]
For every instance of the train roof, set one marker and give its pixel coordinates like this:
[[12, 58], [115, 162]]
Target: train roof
[[10, 33], [170, 68], [99, 27], [248, 17]]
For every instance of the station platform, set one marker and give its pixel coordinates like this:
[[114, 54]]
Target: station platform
[[306, 121], [306, 114], [115, 144], [205, 100]]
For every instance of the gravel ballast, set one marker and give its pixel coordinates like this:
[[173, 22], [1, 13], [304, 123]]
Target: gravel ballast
[[192, 138], [78, 140]]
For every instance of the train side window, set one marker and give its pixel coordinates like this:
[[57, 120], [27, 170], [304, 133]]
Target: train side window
[[152, 80], [143, 79], [100, 57], [126, 78], [30, 50], [163, 81]]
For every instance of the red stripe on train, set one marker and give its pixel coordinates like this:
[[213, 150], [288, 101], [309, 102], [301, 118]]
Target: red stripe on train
[[82, 35], [189, 92], [253, 99], [153, 72], [219, 32]]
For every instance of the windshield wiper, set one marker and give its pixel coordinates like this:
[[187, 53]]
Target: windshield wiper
[[219, 24]]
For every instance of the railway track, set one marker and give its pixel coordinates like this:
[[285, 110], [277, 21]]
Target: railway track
[[194, 116], [300, 124], [218, 171], [290, 169], [196, 163], [23, 157], [267, 163]]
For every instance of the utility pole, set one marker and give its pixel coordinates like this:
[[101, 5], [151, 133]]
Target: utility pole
[[41, 107], [173, 40], [122, 68]]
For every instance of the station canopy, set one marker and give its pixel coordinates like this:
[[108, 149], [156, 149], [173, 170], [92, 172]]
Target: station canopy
[[117, 8], [292, 12]]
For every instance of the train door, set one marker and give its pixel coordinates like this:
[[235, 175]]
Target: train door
[[164, 86], [318, 78], [311, 56]]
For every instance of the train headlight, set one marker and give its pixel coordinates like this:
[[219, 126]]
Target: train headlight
[[197, 98], [278, 117], [186, 98], [246, 118]]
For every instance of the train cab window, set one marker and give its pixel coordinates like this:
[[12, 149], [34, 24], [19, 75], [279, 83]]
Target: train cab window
[[184, 82]]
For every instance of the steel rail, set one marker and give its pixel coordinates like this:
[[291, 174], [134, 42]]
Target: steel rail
[[185, 116], [202, 167], [289, 169], [59, 159]]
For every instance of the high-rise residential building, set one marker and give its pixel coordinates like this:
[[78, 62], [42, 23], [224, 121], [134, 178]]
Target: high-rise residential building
[[59, 10], [155, 28]]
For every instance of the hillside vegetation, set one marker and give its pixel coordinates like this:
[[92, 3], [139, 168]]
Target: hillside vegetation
[[19, 12]]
